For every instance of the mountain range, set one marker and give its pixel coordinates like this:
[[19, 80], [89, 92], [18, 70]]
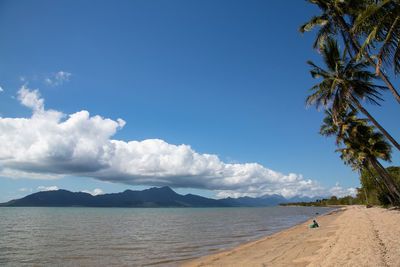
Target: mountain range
[[153, 197]]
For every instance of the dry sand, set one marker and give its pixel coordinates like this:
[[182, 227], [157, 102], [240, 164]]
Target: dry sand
[[351, 236]]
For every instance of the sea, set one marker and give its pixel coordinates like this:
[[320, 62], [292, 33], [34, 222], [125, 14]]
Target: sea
[[77, 236]]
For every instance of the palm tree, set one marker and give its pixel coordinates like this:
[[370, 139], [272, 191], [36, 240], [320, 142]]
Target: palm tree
[[344, 82], [330, 21], [362, 144], [343, 123], [333, 21], [362, 148], [379, 23]]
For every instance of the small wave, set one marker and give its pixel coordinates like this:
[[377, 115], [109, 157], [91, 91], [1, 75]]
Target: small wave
[[127, 248], [238, 236], [163, 262], [184, 248]]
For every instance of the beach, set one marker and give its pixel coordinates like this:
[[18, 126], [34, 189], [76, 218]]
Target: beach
[[349, 236]]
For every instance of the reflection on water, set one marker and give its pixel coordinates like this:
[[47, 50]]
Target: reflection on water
[[134, 236]]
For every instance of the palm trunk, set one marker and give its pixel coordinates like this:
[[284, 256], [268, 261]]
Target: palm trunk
[[389, 179], [366, 198], [386, 177], [346, 43], [389, 195], [354, 40], [366, 113]]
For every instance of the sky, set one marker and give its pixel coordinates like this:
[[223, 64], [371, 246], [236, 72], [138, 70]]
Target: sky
[[206, 97]]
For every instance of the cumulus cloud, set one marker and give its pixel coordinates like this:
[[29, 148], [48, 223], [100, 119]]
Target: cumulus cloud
[[95, 192], [1, 89], [15, 174], [31, 99], [47, 188], [52, 144], [58, 78]]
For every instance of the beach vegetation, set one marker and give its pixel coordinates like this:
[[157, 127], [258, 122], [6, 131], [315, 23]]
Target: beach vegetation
[[375, 191], [333, 201]]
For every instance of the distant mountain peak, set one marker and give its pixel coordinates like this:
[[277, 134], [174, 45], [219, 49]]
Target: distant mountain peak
[[164, 188], [161, 190], [152, 197]]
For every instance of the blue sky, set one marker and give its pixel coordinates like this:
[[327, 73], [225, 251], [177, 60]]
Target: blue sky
[[227, 78]]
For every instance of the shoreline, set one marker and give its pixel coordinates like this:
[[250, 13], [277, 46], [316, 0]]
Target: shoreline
[[350, 236], [199, 261]]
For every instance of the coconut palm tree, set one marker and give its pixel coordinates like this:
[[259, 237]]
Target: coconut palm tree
[[360, 141], [333, 21], [344, 82], [363, 148], [329, 22], [379, 23], [343, 123]]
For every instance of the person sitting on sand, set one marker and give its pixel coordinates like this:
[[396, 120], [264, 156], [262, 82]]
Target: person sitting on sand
[[314, 225]]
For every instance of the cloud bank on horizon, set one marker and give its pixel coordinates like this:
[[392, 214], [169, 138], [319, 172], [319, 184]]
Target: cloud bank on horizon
[[51, 144]]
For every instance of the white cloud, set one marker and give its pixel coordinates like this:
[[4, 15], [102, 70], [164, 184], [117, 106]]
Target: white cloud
[[339, 191], [58, 78], [1, 89], [51, 144], [31, 99], [15, 174], [313, 189], [95, 192], [47, 188], [25, 189]]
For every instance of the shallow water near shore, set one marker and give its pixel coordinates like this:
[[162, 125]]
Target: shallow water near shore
[[134, 236]]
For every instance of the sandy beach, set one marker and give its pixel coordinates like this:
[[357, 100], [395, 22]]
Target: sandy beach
[[350, 236]]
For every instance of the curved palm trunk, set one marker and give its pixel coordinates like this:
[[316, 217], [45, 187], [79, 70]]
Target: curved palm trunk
[[366, 113], [354, 40], [389, 179], [366, 198], [386, 177], [390, 195], [346, 43]]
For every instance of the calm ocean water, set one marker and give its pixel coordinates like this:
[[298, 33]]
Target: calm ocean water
[[134, 236]]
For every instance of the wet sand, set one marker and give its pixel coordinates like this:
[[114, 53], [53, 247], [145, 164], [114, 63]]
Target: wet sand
[[350, 236]]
